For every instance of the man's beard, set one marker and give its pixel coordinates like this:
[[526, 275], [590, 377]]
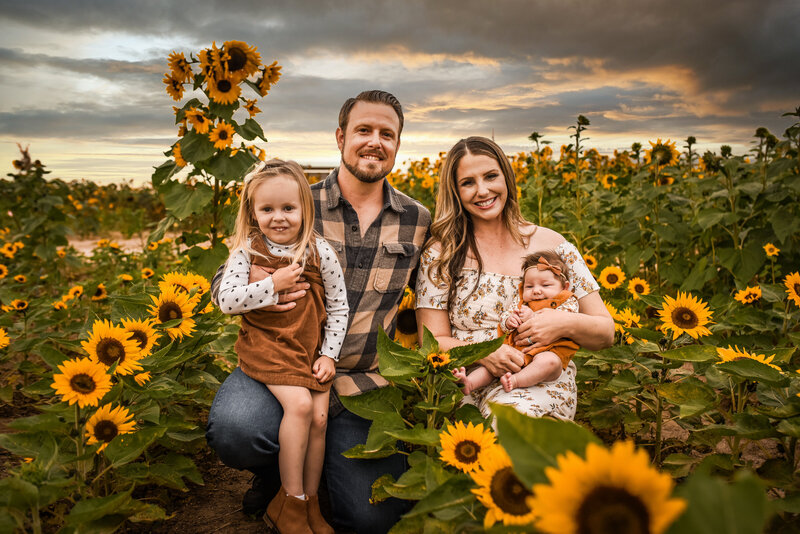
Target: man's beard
[[364, 176]]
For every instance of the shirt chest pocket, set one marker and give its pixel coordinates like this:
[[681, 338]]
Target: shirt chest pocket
[[393, 266]]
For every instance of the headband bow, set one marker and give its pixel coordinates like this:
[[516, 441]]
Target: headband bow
[[545, 265]]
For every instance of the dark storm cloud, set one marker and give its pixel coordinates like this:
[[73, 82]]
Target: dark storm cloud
[[103, 68], [77, 121]]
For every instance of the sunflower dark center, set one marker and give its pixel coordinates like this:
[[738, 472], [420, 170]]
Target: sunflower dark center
[[612, 278], [110, 350], [662, 154], [99, 292], [612, 511], [169, 311], [200, 119], [223, 134], [508, 493], [407, 322], [82, 383], [467, 451], [237, 60], [140, 338], [685, 318], [105, 431], [796, 288], [639, 288], [223, 86]]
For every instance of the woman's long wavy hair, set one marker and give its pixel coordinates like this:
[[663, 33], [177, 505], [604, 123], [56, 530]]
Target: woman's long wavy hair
[[246, 224], [452, 227]]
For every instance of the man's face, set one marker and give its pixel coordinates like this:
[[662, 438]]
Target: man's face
[[369, 145]]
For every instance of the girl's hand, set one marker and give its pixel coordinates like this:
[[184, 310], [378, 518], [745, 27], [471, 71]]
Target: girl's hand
[[504, 360], [286, 277], [324, 369], [544, 327]]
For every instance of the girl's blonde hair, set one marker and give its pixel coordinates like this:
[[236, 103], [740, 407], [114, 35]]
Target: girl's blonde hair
[[246, 224], [452, 227]]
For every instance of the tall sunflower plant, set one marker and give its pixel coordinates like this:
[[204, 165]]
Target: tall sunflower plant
[[203, 199]]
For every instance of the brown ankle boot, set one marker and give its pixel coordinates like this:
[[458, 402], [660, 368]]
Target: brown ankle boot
[[315, 520], [288, 514]]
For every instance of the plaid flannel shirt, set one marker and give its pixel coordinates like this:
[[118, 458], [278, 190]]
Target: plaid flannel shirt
[[377, 268]]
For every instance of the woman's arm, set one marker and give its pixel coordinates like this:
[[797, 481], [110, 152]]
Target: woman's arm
[[592, 328], [503, 360]]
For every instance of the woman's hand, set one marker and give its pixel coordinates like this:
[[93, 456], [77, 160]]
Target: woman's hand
[[324, 369], [544, 327], [504, 360]]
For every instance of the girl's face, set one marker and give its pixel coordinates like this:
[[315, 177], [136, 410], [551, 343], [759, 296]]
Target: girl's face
[[481, 186], [540, 285], [277, 209]]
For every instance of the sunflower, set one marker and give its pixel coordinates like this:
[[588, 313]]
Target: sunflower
[[771, 250], [74, 292], [792, 283], [200, 282], [209, 60], [82, 381], [638, 286], [59, 305], [222, 135], [100, 293], [665, 180], [4, 339], [609, 181], [438, 359], [143, 332], [142, 378], [241, 60], [269, 75], [462, 445], [406, 332], [199, 121], [174, 85], [614, 312], [181, 70], [731, 354], [501, 491], [629, 318], [171, 305], [109, 345], [614, 490], [3, 271], [251, 108], [106, 424], [180, 281], [748, 295], [19, 304], [685, 314], [20, 278], [147, 273], [591, 261], [176, 153], [663, 153], [61, 253], [611, 277], [223, 88], [125, 278], [8, 251]]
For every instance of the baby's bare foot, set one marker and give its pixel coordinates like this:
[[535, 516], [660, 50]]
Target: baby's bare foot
[[509, 382], [461, 375]]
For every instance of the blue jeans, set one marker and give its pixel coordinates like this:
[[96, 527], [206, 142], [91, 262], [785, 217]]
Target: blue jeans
[[243, 428]]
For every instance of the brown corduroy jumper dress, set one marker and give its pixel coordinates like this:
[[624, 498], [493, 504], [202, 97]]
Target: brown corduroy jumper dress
[[280, 347]]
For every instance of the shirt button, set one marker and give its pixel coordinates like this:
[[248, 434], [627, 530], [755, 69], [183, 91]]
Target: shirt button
[[360, 265], [354, 228]]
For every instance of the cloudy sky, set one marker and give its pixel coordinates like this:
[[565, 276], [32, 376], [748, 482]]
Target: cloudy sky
[[81, 79]]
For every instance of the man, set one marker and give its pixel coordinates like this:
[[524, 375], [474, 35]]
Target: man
[[377, 233]]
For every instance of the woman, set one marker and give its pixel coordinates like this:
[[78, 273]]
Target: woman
[[470, 273]]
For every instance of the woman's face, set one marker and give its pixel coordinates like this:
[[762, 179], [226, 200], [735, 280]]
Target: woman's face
[[481, 187]]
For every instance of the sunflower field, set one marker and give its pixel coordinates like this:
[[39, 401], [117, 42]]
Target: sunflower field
[[689, 423]]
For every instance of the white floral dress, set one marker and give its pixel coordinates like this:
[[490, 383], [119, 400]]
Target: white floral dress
[[476, 316]]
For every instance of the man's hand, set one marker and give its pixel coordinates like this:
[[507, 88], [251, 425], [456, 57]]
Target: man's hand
[[324, 369], [285, 299], [504, 360], [286, 277]]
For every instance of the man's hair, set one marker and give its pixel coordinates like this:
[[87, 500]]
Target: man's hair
[[532, 260], [375, 96]]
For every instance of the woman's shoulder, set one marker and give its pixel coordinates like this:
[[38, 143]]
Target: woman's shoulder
[[542, 238]]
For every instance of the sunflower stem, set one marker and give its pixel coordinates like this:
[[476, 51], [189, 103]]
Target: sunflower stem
[[80, 465], [657, 453]]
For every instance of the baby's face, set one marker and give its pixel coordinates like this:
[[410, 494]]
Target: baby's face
[[540, 285]]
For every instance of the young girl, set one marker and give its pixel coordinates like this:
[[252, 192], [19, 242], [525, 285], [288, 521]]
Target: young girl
[[545, 284], [291, 352]]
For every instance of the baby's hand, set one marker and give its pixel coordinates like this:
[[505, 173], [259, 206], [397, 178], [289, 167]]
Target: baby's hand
[[513, 320], [324, 369], [286, 277], [524, 314]]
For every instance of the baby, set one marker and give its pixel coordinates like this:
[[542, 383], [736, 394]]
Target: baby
[[545, 284]]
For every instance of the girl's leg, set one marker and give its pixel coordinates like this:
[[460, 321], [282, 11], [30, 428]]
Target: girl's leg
[[545, 367], [293, 434], [315, 455]]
